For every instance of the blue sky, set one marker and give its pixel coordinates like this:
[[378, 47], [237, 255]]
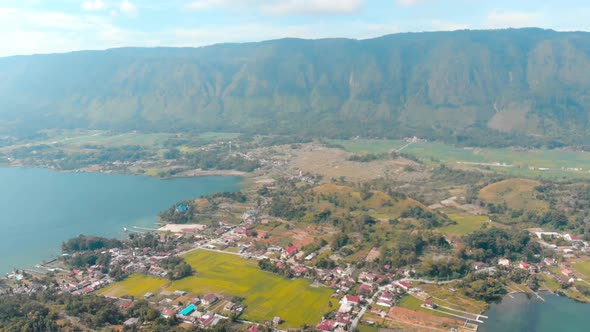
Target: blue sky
[[47, 26]]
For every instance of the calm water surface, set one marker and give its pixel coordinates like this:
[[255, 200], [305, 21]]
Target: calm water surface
[[527, 314], [39, 209]]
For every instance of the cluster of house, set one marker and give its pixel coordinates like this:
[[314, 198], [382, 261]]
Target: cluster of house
[[575, 240], [85, 281], [16, 285], [566, 274], [140, 260], [205, 311]]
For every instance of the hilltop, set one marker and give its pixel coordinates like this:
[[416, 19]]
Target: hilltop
[[487, 88]]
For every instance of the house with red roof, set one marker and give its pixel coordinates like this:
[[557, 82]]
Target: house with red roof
[[326, 325], [572, 238], [290, 251], [206, 320], [167, 313], [365, 289], [405, 285], [429, 304], [567, 272], [385, 300], [527, 266], [351, 300]]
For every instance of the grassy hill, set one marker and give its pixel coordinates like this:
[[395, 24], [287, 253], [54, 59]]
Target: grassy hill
[[499, 87], [517, 194]]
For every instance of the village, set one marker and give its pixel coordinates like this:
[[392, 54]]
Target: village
[[361, 295]]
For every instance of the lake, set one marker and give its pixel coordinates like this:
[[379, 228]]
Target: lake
[[525, 313], [40, 209]]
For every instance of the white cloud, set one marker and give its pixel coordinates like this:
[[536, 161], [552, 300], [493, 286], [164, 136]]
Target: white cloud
[[284, 7], [91, 5], [209, 4], [408, 3], [315, 7], [31, 31], [510, 19], [128, 8]]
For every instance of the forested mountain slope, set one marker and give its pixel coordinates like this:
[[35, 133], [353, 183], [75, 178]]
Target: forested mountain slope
[[496, 87]]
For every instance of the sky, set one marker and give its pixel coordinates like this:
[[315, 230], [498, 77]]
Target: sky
[[50, 26]]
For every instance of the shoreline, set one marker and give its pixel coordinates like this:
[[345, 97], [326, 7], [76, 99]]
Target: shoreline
[[186, 174]]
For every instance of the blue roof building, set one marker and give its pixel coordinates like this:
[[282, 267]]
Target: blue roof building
[[182, 208], [188, 310]]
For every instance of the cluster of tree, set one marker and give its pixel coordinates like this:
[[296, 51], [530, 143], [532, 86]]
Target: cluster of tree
[[148, 240], [84, 242], [444, 268], [88, 258], [236, 196], [406, 250], [490, 243], [41, 312], [270, 266], [94, 311], [282, 206], [217, 159], [482, 287], [555, 219], [366, 158], [427, 219], [176, 267], [180, 213], [26, 313]]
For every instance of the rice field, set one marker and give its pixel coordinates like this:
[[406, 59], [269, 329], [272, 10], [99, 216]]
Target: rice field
[[266, 295], [136, 285]]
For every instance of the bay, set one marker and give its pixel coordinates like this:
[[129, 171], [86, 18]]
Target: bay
[[40, 209], [525, 313]]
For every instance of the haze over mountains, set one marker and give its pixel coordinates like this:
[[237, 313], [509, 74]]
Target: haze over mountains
[[501, 87]]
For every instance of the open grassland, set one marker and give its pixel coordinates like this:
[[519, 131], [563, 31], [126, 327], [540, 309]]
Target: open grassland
[[212, 136], [412, 303], [549, 282], [364, 146], [442, 295], [135, 285], [335, 163], [466, 223], [515, 193], [367, 328], [266, 295], [583, 267], [546, 163]]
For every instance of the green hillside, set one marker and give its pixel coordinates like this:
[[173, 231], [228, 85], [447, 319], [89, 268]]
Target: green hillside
[[469, 87]]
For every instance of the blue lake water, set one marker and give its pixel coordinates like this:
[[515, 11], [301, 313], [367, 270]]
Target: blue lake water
[[39, 209], [526, 313]]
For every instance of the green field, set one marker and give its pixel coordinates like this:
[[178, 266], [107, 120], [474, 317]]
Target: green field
[[412, 303], [364, 146], [135, 285], [519, 159], [212, 136], [266, 295], [583, 268], [466, 224], [367, 328]]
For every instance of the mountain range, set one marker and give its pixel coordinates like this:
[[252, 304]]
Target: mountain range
[[487, 87]]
